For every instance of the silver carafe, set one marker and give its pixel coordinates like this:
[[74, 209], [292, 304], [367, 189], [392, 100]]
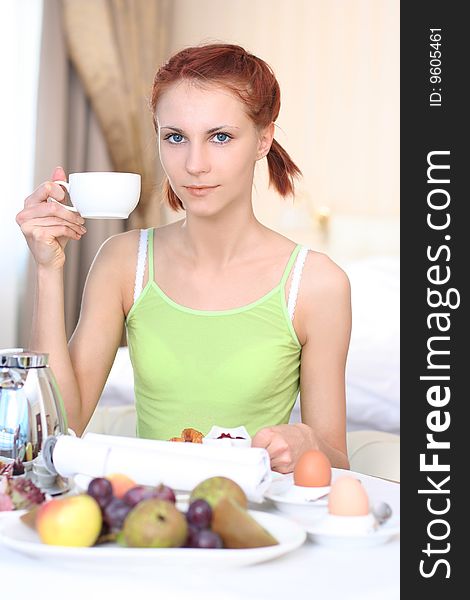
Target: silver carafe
[[31, 407]]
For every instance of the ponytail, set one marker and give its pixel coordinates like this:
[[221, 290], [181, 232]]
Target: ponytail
[[282, 170]]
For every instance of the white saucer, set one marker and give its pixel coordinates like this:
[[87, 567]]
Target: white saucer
[[321, 534], [303, 504]]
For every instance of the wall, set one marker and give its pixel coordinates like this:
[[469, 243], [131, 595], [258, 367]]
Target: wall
[[338, 66]]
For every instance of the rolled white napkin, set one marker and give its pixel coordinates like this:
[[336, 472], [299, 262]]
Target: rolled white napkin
[[150, 462]]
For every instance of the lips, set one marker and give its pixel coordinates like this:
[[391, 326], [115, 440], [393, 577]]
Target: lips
[[200, 190], [199, 187]]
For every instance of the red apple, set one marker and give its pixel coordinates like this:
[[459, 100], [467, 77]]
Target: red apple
[[70, 521]]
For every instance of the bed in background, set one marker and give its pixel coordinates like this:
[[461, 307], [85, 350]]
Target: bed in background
[[373, 367]]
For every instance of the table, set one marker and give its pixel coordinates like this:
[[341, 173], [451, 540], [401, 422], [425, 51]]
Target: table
[[312, 571]]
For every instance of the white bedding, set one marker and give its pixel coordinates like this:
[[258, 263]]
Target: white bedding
[[373, 367]]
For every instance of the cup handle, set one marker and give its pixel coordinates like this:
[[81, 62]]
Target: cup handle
[[66, 185]]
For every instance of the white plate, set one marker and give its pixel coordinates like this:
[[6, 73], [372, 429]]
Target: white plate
[[381, 535], [10, 515], [17, 536]]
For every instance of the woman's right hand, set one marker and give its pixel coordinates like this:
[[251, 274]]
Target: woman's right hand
[[47, 226]]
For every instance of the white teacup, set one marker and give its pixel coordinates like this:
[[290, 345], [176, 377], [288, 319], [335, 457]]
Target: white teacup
[[102, 195]]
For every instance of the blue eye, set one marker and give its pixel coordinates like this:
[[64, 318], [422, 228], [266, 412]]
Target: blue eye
[[175, 138], [221, 138]]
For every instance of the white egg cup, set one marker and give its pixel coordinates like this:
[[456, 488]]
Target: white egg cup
[[348, 525], [305, 493]]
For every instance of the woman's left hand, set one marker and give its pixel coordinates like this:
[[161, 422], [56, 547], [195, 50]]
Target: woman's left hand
[[285, 444]]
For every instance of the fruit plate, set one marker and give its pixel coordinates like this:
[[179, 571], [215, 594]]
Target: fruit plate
[[14, 534]]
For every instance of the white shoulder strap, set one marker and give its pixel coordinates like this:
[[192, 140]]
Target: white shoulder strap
[[141, 258], [295, 283]]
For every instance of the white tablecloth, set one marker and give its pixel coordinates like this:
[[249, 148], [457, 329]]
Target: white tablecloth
[[312, 571]]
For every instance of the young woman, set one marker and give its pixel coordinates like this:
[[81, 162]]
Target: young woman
[[226, 319]]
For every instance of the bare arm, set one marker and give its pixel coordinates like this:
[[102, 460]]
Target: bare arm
[[96, 338], [48, 227], [48, 335], [322, 380], [81, 368]]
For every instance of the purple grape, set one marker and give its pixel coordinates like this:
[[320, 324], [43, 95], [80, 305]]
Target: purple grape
[[192, 530], [114, 514], [139, 493], [205, 538], [199, 514], [101, 490], [104, 529], [163, 492], [18, 467]]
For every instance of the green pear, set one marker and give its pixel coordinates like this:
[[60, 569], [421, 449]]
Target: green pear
[[154, 523], [237, 528], [214, 489]]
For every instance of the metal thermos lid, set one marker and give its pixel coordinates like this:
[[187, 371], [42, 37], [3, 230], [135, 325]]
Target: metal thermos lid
[[22, 359]]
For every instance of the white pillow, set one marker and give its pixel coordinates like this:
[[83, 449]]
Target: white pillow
[[373, 366], [119, 388]]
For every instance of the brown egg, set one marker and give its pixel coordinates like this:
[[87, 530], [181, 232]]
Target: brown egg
[[313, 469], [348, 498]]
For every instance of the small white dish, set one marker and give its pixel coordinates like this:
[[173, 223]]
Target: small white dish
[[351, 532], [213, 438], [303, 494], [283, 490], [303, 504], [347, 525]]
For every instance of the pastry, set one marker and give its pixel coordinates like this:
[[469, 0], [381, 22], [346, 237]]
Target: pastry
[[192, 435], [189, 435]]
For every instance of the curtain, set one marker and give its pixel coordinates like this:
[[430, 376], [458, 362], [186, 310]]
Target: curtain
[[116, 47], [92, 115]]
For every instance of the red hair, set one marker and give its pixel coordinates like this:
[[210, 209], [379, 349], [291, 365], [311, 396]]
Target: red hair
[[246, 76]]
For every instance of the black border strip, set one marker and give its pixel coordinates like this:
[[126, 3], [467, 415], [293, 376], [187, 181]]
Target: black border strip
[[433, 258]]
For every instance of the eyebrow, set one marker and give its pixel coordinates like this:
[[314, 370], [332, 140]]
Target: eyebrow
[[209, 131]]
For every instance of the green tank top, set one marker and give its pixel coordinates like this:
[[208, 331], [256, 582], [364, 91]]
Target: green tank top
[[198, 368]]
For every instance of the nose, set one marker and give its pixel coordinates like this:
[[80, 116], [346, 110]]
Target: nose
[[197, 159]]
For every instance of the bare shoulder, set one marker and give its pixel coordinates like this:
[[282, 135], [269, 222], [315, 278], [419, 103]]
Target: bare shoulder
[[119, 245], [117, 256], [324, 299], [323, 281]]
